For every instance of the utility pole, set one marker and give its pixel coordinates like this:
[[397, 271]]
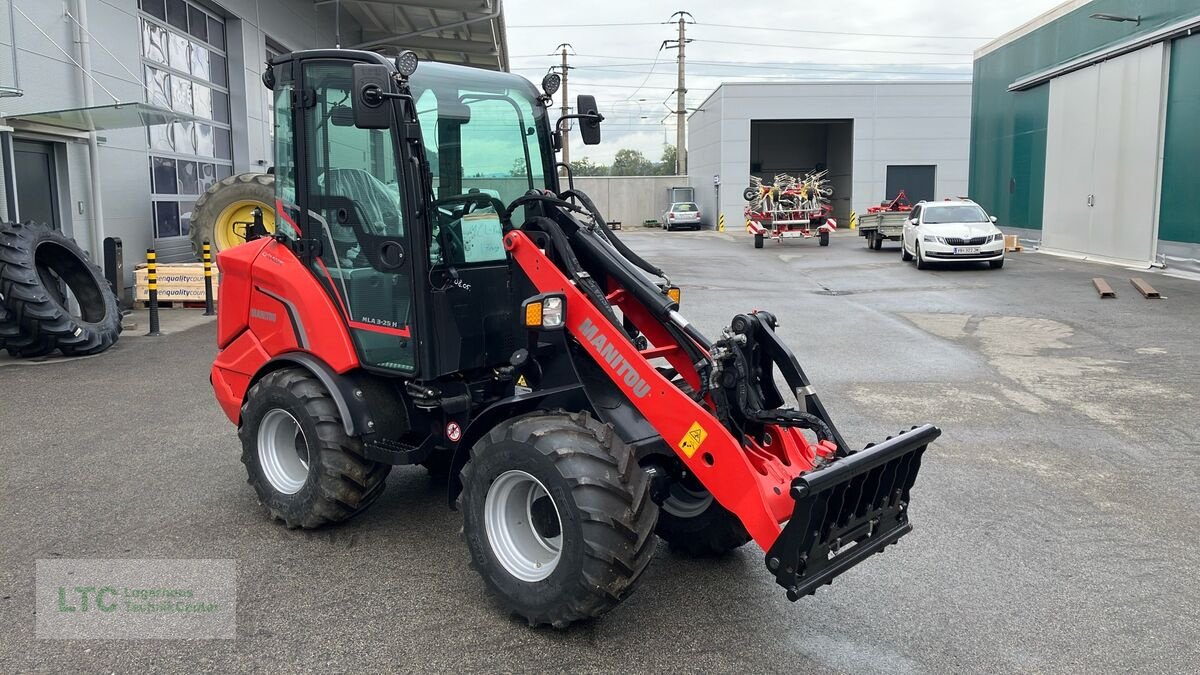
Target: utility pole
[[566, 109], [681, 95]]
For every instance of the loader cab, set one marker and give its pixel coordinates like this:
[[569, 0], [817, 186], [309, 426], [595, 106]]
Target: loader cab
[[402, 221]]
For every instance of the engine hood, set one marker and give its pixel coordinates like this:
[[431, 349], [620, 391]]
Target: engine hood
[[960, 230]]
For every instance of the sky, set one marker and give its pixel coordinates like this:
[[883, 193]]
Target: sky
[[617, 56]]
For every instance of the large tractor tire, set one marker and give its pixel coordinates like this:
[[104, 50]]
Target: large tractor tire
[[39, 270], [220, 214], [558, 516], [305, 469]]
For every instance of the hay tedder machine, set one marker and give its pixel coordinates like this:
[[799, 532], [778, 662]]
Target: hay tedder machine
[[391, 304], [789, 208]]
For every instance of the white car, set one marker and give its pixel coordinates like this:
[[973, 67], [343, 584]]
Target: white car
[[951, 231], [681, 214]]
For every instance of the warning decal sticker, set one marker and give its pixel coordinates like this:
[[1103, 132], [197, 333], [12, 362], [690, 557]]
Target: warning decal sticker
[[691, 441]]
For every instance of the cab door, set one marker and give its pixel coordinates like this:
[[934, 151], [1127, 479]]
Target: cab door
[[349, 201]]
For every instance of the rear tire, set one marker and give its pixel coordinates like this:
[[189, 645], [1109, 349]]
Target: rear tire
[[824, 239], [758, 240], [234, 195], [305, 469], [694, 524], [878, 243], [558, 517], [996, 264]]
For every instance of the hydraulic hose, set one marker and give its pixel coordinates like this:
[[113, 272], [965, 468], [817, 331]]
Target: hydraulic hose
[[562, 246], [612, 236]]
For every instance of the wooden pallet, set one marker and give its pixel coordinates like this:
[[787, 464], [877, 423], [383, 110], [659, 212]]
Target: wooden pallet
[[1012, 244], [173, 304]]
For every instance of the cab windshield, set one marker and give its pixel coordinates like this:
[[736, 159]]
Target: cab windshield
[[483, 132]]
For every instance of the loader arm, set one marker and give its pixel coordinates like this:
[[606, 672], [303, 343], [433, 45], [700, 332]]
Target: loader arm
[[814, 507]]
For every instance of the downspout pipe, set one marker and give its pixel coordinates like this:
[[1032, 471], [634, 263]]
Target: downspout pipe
[[82, 31]]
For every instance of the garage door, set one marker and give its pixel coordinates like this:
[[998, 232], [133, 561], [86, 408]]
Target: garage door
[[1103, 144], [917, 182]]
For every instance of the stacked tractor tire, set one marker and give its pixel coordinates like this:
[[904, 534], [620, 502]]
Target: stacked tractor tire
[[52, 296]]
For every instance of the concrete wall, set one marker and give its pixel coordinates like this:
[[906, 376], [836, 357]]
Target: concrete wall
[[52, 82], [894, 123], [632, 199]]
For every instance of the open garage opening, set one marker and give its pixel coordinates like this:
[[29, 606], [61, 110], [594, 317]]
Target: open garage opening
[[797, 147]]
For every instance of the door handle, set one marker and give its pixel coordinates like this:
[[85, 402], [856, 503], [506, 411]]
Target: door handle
[[1091, 200]]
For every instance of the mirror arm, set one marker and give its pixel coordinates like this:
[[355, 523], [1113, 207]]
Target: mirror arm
[[374, 96], [590, 117]]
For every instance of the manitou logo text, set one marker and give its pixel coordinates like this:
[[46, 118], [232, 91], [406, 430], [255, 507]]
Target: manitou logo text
[[615, 361]]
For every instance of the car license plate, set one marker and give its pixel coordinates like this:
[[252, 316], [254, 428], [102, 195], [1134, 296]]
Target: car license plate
[[966, 250]]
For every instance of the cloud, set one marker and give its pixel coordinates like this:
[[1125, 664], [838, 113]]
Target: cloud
[[632, 78]]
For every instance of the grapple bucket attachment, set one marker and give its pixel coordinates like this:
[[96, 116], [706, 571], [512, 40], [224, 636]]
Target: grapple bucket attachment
[[847, 512]]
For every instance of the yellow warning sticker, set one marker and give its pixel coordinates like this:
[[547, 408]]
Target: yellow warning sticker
[[521, 381], [691, 441]]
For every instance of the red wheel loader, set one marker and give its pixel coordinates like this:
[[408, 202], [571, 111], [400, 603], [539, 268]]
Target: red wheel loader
[[420, 302]]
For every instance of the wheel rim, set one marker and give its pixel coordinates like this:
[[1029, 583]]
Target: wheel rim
[[684, 502], [283, 451], [230, 231], [523, 526]]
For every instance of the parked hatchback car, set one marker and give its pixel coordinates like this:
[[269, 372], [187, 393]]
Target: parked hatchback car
[[681, 214], [951, 231]]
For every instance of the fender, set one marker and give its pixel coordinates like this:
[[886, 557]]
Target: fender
[[570, 397], [346, 394]]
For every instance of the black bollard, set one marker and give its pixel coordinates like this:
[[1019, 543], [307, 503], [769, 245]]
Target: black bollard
[[152, 287], [208, 289]]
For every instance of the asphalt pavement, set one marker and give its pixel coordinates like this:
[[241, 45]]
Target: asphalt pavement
[[1055, 519]]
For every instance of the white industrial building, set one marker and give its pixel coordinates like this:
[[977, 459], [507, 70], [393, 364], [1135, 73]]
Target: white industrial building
[[875, 138]]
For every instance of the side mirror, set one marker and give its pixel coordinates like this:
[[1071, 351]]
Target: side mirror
[[993, 219], [589, 125], [912, 221], [372, 84]]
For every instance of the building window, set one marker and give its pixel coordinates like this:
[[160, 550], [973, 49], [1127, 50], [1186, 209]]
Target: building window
[[183, 55]]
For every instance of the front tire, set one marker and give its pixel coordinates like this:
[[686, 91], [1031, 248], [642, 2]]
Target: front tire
[[905, 256], [996, 264], [921, 264], [558, 517], [303, 466]]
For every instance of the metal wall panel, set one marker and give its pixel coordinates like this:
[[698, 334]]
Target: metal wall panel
[[1103, 140], [1070, 157], [1128, 139]]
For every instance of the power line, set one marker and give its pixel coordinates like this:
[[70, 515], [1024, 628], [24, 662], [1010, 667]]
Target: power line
[[766, 28], [583, 25], [835, 49], [847, 33], [649, 72]]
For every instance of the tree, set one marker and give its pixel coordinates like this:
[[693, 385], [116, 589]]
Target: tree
[[630, 163], [586, 167], [666, 166], [518, 168]]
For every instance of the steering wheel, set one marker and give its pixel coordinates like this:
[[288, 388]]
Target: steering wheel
[[450, 238]]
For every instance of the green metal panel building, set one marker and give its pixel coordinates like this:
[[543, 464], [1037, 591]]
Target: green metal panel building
[[1085, 130]]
